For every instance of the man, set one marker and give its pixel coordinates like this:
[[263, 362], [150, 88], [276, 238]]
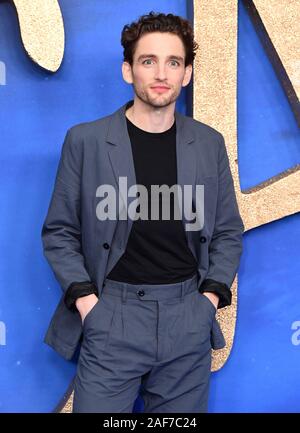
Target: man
[[141, 293]]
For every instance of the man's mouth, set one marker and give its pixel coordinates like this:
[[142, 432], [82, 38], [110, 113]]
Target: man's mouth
[[160, 89]]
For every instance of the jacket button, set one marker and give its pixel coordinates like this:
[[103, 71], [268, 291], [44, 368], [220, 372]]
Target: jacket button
[[141, 292], [202, 239], [106, 246]]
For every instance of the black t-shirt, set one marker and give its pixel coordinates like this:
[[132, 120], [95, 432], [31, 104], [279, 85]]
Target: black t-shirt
[[157, 251]]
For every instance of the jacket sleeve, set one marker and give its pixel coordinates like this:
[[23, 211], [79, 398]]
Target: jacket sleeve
[[78, 290], [220, 289], [225, 247], [61, 231]]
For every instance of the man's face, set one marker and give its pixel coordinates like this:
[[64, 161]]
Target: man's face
[[158, 72]]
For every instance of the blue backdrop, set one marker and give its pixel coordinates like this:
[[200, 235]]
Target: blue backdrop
[[262, 373]]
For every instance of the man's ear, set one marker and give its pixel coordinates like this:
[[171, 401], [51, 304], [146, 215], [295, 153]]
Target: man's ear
[[127, 72], [187, 75]]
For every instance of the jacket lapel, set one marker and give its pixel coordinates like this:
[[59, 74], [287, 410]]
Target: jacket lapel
[[121, 158]]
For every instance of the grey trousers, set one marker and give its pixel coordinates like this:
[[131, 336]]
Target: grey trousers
[[149, 339]]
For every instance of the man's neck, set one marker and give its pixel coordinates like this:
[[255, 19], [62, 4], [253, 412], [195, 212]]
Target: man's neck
[[151, 119]]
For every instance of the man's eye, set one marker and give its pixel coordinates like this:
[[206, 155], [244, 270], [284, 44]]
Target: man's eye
[[149, 61]]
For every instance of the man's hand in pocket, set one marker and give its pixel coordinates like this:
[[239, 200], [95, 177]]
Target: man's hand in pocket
[[84, 304], [214, 299]]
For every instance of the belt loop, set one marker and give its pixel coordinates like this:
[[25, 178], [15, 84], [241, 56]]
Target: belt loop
[[124, 294], [182, 292]]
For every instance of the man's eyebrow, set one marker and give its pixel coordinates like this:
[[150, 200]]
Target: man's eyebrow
[[143, 56]]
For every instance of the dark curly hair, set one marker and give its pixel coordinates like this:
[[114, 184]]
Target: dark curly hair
[[158, 22]]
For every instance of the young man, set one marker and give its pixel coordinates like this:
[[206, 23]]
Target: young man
[[141, 294]]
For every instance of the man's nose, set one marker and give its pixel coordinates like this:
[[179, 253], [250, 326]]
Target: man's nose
[[160, 72]]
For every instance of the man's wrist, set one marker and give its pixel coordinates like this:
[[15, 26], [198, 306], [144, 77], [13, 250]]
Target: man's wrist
[[219, 288], [213, 297], [84, 299], [77, 290]]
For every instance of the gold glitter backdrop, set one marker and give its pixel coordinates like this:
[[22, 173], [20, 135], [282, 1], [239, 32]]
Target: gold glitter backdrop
[[42, 31], [215, 103]]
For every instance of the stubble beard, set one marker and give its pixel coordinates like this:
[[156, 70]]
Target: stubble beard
[[158, 101]]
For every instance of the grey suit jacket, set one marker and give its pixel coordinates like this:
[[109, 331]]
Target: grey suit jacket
[[99, 152]]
